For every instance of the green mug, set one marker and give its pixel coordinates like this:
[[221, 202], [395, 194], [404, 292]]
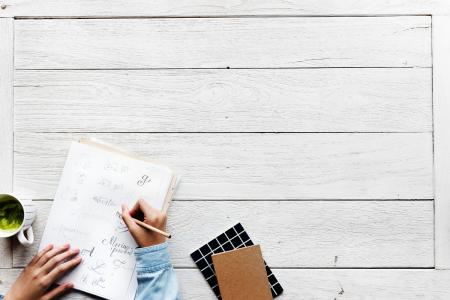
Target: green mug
[[16, 217]]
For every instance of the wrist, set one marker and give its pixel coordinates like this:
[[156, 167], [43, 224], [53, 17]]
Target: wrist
[[152, 258], [152, 243]]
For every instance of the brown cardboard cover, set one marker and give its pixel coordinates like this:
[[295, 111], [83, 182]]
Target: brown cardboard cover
[[241, 274]]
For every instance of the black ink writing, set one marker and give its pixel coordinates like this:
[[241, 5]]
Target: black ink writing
[[98, 267], [143, 180], [99, 282], [104, 201], [119, 225], [87, 252], [81, 178], [117, 247], [110, 185], [115, 167]]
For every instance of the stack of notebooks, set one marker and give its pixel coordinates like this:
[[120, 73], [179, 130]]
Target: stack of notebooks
[[234, 268]]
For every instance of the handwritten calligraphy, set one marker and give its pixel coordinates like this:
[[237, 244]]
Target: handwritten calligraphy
[[119, 225], [143, 180], [117, 247], [107, 183], [87, 252], [115, 167], [105, 201]]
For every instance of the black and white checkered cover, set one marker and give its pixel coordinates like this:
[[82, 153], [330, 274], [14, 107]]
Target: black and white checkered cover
[[233, 238]]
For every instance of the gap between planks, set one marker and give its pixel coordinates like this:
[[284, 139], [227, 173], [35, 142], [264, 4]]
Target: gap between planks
[[234, 132], [219, 68], [257, 16], [300, 268], [285, 200]]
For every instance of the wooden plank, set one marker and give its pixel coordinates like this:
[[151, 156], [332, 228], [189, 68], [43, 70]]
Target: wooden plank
[[6, 103], [329, 234], [292, 100], [318, 284], [254, 166], [223, 42], [104, 8], [6, 122], [441, 100], [6, 255]]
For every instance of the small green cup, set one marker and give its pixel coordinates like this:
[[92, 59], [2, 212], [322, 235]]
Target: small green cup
[[16, 217]]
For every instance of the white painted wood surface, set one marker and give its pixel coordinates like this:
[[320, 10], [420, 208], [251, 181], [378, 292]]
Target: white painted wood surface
[[369, 129], [254, 166], [6, 103], [223, 42], [319, 284], [299, 234], [441, 101], [6, 122], [294, 100], [132, 8]]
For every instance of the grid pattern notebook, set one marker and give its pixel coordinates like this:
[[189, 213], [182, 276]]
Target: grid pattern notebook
[[233, 238]]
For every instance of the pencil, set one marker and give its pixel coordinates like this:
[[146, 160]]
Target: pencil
[[150, 227]]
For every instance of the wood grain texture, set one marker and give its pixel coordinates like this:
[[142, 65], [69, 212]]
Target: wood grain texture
[[315, 234], [6, 122], [292, 100], [104, 8], [6, 254], [223, 42], [6, 103], [317, 284], [441, 100], [254, 166]]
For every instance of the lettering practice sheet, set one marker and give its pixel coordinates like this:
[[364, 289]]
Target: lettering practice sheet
[[86, 214]]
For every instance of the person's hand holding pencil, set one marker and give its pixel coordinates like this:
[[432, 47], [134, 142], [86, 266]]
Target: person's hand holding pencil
[[138, 217]]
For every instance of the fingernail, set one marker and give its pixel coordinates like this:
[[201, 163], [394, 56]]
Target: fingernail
[[65, 246], [75, 250], [49, 246], [69, 285]]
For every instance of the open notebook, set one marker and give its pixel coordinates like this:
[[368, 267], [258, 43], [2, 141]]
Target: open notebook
[[96, 179]]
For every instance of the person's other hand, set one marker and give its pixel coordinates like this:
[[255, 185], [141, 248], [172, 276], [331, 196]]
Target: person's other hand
[[45, 269], [144, 212]]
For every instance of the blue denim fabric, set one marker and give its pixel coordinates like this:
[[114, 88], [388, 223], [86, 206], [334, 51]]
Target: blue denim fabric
[[155, 274]]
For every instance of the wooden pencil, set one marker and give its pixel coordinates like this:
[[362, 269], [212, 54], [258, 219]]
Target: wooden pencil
[[150, 227]]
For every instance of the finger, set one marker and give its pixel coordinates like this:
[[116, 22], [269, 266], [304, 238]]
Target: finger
[[151, 215], [62, 269], [50, 254], [128, 220], [136, 231], [136, 211], [58, 259], [58, 291], [40, 253], [144, 207]]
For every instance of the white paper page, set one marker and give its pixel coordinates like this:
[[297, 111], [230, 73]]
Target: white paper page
[[92, 187]]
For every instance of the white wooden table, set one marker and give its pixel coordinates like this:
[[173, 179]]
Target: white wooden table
[[321, 125]]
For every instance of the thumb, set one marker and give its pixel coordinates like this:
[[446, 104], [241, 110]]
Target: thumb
[[58, 291], [128, 220]]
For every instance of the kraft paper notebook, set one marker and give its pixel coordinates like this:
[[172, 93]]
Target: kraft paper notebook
[[241, 274], [234, 238], [97, 178]]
